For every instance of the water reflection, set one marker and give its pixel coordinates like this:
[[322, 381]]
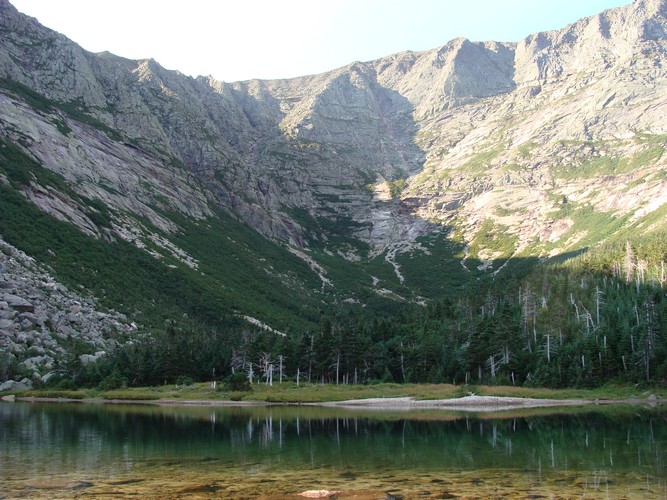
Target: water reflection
[[42, 440]]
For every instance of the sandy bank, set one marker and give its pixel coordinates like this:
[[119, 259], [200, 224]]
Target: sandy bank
[[472, 403]]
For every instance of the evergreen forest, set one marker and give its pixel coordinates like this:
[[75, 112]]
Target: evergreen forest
[[597, 318]]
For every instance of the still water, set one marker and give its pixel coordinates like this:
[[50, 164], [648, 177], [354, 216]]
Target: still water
[[62, 450]]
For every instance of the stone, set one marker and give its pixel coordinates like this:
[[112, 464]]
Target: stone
[[38, 363], [12, 385], [18, 303], [35, 351], [87, 359], [33, 319], [74, 318], [26, 324], [7, 326]]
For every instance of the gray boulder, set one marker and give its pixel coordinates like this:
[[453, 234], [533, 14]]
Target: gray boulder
[[13, 385], [18, 303]]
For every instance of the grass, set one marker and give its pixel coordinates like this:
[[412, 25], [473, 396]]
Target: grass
[[599, 166], [53, 393], [526, 149], [289, 392], [494, 237], [595, 226], [479, 163], [592, 168]]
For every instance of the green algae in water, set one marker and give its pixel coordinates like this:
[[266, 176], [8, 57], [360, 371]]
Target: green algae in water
[[75, 450]]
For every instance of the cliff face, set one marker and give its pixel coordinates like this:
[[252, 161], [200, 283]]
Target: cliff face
[[461, 125], [509, 147]]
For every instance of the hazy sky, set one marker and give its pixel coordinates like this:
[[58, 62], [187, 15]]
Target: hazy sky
[[244, 39]]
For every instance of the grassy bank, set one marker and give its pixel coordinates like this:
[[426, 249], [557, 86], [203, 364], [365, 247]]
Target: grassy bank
[[314, 393]]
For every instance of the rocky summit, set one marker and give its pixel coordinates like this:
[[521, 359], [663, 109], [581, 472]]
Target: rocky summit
[[383, 182]]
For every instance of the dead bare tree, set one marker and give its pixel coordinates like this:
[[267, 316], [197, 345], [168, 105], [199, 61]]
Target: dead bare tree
[[281, 359], [265, 366]]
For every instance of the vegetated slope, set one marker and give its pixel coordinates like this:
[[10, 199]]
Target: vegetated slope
[[377, 184]]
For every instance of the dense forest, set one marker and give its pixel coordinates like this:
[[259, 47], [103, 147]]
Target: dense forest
[[595, 318]]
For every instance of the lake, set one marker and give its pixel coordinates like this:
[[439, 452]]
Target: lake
[[70, 450]]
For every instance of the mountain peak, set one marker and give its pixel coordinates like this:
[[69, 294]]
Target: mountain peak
[[398, 179], [652, 6], [365, 123]]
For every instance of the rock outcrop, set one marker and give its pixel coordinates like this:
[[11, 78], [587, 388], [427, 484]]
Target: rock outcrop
[[42, 323]]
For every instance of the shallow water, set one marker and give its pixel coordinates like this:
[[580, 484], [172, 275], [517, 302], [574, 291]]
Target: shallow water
[[61, 450]]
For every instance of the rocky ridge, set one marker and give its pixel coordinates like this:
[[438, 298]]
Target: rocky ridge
[[508, 149], [317, 143]]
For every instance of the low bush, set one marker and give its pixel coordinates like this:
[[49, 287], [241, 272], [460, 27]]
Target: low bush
[[238, 382]]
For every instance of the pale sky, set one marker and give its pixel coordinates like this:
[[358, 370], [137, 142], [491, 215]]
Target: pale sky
[[270, 39]]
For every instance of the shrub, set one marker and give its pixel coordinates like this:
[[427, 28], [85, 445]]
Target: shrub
[[184, 380], [237, 382], [236, 396], [113, 381], [65, 384]]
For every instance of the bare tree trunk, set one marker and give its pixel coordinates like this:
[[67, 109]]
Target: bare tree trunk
[[337, 367], [548, 348], [598, 301], [575, 307], [266, 366], [310, 361], [629, 262], [402, 364]]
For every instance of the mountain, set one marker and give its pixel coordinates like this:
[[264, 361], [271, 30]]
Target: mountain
[[383, 183]]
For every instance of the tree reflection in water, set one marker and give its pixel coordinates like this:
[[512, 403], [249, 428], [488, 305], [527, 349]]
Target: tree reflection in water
[[123, 449]]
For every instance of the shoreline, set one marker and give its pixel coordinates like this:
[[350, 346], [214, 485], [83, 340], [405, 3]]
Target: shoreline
[[474, 403], [471, 403]]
